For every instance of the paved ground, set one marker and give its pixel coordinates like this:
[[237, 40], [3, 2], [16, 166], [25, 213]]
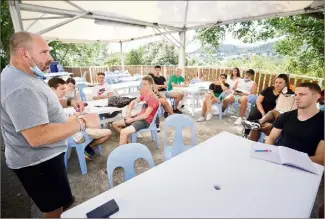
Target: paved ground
[[95, 181]]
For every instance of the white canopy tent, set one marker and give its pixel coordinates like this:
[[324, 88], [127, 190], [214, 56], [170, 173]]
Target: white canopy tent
[[123, 21]]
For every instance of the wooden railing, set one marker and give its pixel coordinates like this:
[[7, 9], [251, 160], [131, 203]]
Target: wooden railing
[[262, 78]]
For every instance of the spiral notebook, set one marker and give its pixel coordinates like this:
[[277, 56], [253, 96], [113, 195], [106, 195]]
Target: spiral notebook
[[284, 156]]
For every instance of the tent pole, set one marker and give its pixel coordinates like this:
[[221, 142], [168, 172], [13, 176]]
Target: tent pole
[[181, 57], [15, 15], [121, 55]]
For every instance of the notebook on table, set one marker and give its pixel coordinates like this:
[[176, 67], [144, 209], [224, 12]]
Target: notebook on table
[[284, 156]]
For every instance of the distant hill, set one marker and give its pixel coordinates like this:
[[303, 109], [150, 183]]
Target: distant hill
[[226, 50]]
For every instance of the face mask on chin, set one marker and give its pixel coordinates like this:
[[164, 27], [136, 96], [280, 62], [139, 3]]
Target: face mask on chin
[[247, 79], [35, 69]]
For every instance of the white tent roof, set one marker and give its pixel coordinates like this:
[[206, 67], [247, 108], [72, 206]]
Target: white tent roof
[[96, 20]]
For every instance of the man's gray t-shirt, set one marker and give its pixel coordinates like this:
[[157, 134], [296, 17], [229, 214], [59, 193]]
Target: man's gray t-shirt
[[26, 102]]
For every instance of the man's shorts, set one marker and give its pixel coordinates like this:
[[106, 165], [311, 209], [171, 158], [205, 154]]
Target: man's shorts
[[47, 183], [237, 97], [138, 125], [167, 94]]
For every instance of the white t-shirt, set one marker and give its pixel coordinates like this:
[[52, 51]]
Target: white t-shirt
[[245, 87], [100, 90], [231, 82]]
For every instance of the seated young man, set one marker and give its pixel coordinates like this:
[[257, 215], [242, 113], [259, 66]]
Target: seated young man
[[302, 129], [216, 88], [58, 85], [245, 87], [142, 120], [102, 90], [161, 85], [163, 101], [175, 81]]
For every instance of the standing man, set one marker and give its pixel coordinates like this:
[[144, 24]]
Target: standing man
[[102, 90], [34, 126]]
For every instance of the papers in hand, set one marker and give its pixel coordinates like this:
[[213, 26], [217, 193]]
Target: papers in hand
[[285, 156]]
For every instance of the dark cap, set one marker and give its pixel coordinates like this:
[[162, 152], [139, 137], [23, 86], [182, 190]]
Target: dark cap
[[250, 72]]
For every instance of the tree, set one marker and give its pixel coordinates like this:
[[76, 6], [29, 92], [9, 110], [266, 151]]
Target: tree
[[134, 57], [113, 59], [302, 39], [7, 30], [159, 53]]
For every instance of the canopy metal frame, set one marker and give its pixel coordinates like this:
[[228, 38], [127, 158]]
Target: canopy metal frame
[[15, 6]]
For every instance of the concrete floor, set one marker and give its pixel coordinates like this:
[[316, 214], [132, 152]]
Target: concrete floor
[[95, 181]]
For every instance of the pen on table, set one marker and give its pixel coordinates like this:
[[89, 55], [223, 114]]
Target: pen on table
[[263, 150]]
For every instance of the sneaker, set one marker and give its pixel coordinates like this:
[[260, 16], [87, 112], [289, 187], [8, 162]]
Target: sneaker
[[178, 111], [158, 129], [209, 116], [166, 115], [90, 151], [251, 125], [201, 119], [238, 121], [88, 156]]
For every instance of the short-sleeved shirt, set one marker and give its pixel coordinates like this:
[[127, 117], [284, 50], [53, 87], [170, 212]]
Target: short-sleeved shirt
[[101, 90], [160, 80], [269, 101], [217, 89], [232, 82], [245, 86], [26, 102], [150, 100], [175, 79], [302, 136]]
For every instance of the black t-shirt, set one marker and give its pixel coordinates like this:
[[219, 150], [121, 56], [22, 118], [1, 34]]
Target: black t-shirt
[[160, 80], [302, 136], [217, 89], [269, 100]]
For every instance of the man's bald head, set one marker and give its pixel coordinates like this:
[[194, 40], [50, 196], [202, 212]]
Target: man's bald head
[[21, 39], [30, 48]]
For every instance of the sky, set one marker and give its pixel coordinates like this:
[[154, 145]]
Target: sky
[[115, 47]]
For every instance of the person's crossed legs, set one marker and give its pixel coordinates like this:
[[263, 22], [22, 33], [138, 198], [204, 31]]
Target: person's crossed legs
[[127, 129], [206, 108], [230, 99], [166, 106], [99, 136], [178, 96]]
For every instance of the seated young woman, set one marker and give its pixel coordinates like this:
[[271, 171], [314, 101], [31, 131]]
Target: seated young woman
[[266, 101], [216, 88]]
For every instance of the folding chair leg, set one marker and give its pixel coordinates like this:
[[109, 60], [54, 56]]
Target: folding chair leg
[[99, 148], [82, 160], [134, 137], [153, 135], [220, 111]]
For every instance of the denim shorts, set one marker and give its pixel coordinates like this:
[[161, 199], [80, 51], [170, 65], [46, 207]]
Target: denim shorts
[[138, 125]]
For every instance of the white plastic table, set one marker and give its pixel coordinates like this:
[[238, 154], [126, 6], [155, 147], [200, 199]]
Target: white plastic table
[[56, 74], [184, 186], [129, 87], [193, 92]]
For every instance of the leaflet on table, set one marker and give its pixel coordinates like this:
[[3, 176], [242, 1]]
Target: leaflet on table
[[283, 155]]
